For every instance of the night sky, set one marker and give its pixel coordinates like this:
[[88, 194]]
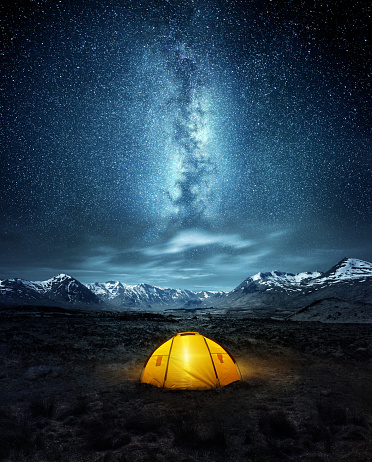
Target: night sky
[[184, 143]]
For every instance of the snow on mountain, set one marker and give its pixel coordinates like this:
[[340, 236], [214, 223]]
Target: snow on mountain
[[277, 279], [61, 290], [349, 281], [347, 269], [19, 290], [143, 296], [342, 294], [64, 290], [271, 283]]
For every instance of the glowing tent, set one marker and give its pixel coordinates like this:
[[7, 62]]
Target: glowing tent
[[190, 361]]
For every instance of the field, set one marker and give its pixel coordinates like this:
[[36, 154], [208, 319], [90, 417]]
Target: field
[[70, 391]]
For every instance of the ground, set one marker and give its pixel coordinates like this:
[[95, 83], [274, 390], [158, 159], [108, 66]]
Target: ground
[[70, 391]]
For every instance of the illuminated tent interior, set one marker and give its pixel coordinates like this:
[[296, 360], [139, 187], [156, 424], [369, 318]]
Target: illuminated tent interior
[[190, 361]]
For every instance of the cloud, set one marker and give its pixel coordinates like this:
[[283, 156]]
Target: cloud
[[195, 259], [189, 239], [277, 234]]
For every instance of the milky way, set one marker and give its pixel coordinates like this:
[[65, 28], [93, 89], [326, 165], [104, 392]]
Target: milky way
[[184, 143], [182, 127]]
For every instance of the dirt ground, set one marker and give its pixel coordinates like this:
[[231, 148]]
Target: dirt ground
[[70, 391]]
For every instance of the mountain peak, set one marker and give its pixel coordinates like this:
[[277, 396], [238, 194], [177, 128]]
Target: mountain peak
[[280, 278], [64, 276], [348, 268], [270, 275], [59, 277]]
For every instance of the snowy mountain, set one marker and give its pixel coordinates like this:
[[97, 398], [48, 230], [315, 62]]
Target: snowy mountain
[[345, 294], [342, 294], [61, 290], [118, 295], [349, 282], [65, 291], [348, 269], [264, 291], [275, 280]]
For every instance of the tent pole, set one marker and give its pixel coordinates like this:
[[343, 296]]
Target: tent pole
[[166, 369], [214, 367]]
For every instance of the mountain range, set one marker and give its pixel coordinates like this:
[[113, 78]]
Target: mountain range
[[341, 294], [66, 291], [118, 295]]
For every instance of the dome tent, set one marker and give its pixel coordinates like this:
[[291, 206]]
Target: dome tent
[[190, 361]]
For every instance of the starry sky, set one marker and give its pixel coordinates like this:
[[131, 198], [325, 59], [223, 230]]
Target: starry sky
[[184, 143]]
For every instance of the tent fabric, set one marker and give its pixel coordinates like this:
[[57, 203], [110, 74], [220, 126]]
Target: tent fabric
[[190, 361]]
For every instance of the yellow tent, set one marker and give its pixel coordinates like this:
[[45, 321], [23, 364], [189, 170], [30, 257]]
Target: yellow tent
[[190, 361]]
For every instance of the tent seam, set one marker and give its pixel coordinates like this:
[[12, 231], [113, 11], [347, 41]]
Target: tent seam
[[214, 367]]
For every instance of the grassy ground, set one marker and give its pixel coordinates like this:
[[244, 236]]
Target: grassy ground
[[69, 391]]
